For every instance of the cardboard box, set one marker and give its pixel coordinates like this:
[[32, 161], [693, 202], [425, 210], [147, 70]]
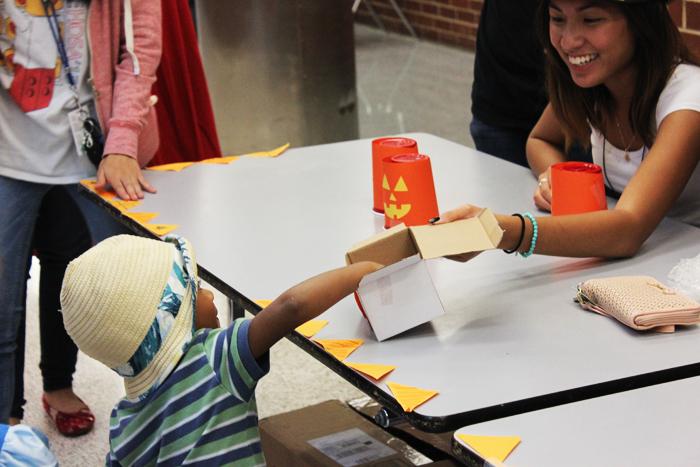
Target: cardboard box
[[401, 295], [332, 434]]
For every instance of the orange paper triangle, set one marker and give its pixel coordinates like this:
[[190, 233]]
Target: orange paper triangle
[[410, 397], [124, 205], [142, 217], [160, 229], [220, 160], [90, 185], [339, 348], [372, 370], [263, 303], [273, 153], [498, 447], [309, 328], [174, 167]]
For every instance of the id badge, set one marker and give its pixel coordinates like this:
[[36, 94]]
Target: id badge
[[76, 118]]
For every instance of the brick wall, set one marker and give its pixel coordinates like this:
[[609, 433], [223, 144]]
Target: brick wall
[[454, 22]]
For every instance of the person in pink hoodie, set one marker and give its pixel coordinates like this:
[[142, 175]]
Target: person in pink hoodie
[[75, 103]]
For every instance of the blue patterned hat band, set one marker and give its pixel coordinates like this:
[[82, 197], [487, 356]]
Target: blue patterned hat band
[[182, 275]]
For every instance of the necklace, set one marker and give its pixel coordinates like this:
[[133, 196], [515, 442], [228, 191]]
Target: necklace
[[622, 138], [616, 193]]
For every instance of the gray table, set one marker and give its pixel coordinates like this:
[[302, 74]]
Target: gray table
[[647, 427], [511, 341]]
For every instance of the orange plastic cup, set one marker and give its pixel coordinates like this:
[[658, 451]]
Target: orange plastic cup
[[408, 190], [577, 187], [381, 148]]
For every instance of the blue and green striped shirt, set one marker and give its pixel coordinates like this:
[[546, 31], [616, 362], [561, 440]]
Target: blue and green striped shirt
[[204, 412]]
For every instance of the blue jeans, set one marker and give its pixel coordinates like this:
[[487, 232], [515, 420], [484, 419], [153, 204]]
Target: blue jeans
[[20, 204], [504, 143]]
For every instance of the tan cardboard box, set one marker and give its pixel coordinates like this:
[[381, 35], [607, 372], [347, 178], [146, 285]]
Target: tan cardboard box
[[332, 434], [401, 295]]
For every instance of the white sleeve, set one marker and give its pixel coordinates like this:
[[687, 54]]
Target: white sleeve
[[682, 92]]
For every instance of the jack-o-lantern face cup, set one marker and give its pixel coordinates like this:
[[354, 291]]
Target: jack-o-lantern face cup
[[408, 190], [382, 148]]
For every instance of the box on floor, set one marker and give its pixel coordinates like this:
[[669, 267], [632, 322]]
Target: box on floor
[[331, 434]]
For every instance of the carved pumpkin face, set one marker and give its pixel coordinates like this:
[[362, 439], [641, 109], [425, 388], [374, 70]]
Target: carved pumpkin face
[[395, 209]]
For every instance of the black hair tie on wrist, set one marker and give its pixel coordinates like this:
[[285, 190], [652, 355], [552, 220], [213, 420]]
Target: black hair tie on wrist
[[522, 234]]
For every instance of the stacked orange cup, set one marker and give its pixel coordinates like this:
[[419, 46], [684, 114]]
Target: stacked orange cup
[[408, 190], [381, 148], [577, 187]]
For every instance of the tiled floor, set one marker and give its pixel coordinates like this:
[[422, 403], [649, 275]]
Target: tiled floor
[[403, 86]]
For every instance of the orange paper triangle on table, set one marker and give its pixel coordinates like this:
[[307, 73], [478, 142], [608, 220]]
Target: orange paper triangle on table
[[220, 160], [90, 185], [340, 348], [160, 229], [498, 447], [372, 370], [309, 328], [273, 153], [124, 205], [142, 217], [263, 303], [410, 397], [173, 167]]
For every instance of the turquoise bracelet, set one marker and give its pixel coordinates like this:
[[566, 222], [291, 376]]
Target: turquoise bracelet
[[533, 242]]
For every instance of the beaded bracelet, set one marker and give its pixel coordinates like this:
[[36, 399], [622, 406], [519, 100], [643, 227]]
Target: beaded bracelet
[[522, 234], [533, 242]]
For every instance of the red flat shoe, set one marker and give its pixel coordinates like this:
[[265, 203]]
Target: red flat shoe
[[70, 424]]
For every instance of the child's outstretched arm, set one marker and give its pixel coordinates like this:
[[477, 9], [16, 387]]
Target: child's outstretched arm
[[303, 302]]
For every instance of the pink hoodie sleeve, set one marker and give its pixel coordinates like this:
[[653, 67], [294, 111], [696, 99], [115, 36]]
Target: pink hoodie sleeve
[[131, 106]]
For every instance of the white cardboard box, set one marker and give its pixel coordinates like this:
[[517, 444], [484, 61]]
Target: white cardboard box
[[401, 295]]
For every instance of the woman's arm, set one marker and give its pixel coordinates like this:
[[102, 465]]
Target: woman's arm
[[131, 103], [545, 146], [621, 231]]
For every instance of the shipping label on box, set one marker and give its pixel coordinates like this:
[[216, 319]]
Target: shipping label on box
[[402, 295]]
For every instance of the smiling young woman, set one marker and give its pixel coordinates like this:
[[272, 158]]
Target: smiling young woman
[[621, 82]]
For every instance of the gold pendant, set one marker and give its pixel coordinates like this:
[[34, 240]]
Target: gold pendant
[[627, 156]]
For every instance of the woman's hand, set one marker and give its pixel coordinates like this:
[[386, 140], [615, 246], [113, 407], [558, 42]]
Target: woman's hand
[[543, 192], [463, 212], [124, 175]]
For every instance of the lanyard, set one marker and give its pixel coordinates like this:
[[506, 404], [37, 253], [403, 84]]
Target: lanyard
[[60, 45]]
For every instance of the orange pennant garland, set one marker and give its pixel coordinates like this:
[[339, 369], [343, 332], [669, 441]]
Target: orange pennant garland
[[220, 160], [142, 217], [340, 348], [498, 447], [173, 167], [372, 370], [124, 205], [310, 328], [410, 397], [160, 229], [263, 303], [273, 153]]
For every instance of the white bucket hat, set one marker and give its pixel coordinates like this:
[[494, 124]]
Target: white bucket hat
[[129, 303]]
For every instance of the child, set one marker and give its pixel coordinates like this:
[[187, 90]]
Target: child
[[134, 304]]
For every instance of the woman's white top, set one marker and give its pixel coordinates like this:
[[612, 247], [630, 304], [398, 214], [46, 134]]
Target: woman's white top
[[682, 92]]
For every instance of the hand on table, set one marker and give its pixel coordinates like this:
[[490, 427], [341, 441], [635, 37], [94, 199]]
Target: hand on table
[[124, 175], [543, 192], [463, 212]]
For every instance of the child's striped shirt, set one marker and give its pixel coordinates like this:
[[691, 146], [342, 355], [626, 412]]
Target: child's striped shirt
[[204, 412]]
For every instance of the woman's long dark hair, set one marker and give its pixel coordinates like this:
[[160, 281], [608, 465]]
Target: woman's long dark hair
[[659, 47]]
